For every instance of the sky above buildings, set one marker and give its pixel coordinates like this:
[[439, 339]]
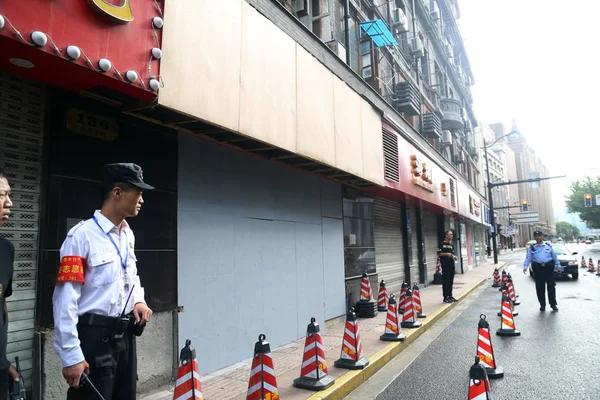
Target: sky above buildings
[[537, 62]]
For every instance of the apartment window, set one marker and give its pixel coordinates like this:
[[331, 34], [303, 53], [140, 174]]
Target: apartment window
[[367, 57], [425, 66], [452, 196], [316, 15]]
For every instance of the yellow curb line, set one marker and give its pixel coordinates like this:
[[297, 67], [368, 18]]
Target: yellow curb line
[[353, 378]]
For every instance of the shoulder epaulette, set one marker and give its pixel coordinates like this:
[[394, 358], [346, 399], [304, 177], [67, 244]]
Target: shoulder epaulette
[[73, 229]]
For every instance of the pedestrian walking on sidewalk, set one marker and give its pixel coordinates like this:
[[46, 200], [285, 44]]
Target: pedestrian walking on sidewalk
[[98, 301], [445, 252], [543, 262]]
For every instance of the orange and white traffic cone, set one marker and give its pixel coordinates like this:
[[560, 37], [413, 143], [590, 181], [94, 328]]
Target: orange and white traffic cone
[[188, 379], [583, 264], [437, 277], [485, 350], [392, 330], [515, 289], [507, 328], [479, 385], [409, 318], [366, 293], [262, 384], [504, 278], [511, 292], [417, 301], [598, 273], [506, 292], [591, 266], [402, 298], [313, 375], [497, 281], [382, 299], [351, 356]]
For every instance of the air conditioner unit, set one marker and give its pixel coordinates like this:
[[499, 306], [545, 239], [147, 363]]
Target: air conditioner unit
[[434, 11], [468, 125], [449, 51], [338, 49], [417, 47], [460, 158], [446, 138], [400, 21]]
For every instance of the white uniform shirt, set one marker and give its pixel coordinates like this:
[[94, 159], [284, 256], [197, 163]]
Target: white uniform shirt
[[104, 291]]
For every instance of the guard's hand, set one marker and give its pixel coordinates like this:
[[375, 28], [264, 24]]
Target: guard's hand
[[74, 372], [524, 271], [12, 372], [142, 313]]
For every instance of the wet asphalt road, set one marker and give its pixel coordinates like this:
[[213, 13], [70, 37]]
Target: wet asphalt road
[[557, 355]]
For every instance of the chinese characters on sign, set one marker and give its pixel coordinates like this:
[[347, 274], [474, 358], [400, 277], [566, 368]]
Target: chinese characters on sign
[[422, 173]]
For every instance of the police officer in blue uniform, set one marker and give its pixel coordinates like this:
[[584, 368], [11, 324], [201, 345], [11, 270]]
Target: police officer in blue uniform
[[543, 262]]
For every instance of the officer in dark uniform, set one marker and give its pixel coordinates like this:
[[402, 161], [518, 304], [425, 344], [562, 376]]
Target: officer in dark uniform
[[543, 262]]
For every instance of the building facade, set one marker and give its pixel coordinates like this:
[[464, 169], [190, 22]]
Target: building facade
[[290, 155], [538, 195]]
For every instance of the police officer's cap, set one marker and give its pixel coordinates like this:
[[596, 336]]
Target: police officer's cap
[[538, 233], [126, 173]]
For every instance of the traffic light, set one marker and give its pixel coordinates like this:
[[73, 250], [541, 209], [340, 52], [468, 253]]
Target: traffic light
[[524, 205], [587, 200]]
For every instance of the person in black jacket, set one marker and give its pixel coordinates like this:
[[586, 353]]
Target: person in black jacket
[[446, 255], [7, 256]]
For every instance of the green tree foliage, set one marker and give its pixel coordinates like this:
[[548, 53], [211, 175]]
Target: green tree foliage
[[575, 200], [566, 230]]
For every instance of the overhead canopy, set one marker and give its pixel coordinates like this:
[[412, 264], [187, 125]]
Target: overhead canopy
[[378, 32]]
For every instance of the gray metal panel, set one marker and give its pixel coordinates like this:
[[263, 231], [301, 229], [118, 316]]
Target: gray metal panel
[[389, 253], [251, 253], [333, 276], [21, 141], [414, 268], [431, 242], [331, 199]]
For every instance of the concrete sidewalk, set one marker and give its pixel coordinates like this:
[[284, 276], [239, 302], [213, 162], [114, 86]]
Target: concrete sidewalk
[[232, 382]]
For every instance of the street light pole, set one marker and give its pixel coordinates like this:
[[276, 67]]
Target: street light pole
[[491, 200]]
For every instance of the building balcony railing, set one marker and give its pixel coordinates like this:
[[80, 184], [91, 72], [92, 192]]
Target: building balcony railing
[[407, 98], [432, 126], [452, 119]]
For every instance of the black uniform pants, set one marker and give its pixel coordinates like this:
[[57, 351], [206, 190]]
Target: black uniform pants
[[3, 384], [113, 365], [448, 273], [544, 275]]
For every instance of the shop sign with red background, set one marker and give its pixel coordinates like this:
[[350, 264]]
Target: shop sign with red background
[[120, 31], [419, 177]]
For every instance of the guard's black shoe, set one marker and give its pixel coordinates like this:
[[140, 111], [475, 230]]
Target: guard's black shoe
[[543, 308], [447, 300], [554, 308], [453, 299]]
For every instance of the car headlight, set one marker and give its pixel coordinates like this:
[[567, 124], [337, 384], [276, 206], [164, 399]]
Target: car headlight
[[573, 263]]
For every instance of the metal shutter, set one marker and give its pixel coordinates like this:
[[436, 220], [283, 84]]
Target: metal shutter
[[22, 105], [389, 254], [414, 268], [430, 232]]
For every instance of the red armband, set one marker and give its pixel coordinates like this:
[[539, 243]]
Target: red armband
[[71, 269]]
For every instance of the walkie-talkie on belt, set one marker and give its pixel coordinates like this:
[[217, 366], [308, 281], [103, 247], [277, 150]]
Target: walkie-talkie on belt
[[16, 390], [84, 380], [123, 320]]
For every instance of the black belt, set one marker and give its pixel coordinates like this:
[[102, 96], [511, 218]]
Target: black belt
[[542, 264], [98, 320]]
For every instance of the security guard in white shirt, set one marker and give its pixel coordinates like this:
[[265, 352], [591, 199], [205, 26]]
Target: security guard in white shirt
[[98, 301]]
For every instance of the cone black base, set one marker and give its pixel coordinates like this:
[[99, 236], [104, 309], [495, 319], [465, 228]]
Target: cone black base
[[351, 364], [304, 382], [366, 309], [421, 315], [382, 309], [517, 303], [496, 285], [410, 325], [508, 332], [598, 273], [390, 337], [494, 373]]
